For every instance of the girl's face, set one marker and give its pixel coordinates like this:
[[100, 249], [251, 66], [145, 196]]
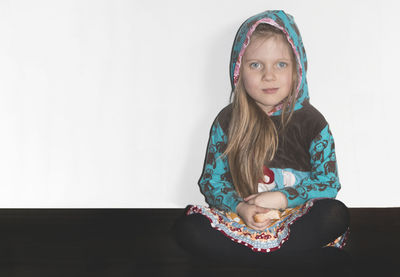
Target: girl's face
[[268, 71]]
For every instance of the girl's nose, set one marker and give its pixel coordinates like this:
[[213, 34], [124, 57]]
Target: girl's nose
[[268, 74]]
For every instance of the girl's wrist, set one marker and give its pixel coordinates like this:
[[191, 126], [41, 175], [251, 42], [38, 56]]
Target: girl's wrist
[[239, 207], [284, 201], [281, 199]]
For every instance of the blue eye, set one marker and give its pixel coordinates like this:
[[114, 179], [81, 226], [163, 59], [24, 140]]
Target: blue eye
[[282, 65], [255, 65]]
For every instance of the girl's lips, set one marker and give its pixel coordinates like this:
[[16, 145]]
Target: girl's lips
[[270, 90]]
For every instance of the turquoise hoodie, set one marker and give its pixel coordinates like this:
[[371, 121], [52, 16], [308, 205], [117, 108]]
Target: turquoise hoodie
[[304, 166]]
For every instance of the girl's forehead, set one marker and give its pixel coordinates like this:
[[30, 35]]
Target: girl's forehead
[[268, 46]]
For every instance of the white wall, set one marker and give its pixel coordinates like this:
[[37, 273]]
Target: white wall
[[108, 104]]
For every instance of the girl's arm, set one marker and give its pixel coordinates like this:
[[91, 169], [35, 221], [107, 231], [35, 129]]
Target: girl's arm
[[323, 181], [216, 182]]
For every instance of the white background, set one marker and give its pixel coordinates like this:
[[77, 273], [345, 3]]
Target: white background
[[108, 104]]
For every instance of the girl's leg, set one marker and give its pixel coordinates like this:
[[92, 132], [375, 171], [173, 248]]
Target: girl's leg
[[195, 234], [326, 220]]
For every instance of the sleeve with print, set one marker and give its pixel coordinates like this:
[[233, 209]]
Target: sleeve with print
[[216, 181], [323, 181]]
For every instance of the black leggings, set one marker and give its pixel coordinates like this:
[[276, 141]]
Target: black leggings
[[326, 220]]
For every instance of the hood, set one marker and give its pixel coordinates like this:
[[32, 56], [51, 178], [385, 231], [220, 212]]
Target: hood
[[284, 22]]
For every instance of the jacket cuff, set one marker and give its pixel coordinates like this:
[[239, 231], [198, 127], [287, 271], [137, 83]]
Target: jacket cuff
[[235, 204]]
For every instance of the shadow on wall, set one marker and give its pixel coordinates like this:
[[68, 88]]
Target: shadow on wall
[[216, 97]]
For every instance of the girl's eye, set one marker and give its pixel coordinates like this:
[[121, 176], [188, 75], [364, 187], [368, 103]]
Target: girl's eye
[[255, 65], [282, 65]]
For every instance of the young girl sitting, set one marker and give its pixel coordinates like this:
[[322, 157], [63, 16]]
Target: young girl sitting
[[270, 149]]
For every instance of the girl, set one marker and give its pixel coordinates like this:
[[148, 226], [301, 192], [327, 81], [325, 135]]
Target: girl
[[268, 149]]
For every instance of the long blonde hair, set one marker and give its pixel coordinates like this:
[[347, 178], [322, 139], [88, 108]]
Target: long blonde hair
[[253, 137]]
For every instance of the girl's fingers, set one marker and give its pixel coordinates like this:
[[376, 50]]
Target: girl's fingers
[[262, 210], [250, 197], [260, 226], [249, 217], [251, 202]]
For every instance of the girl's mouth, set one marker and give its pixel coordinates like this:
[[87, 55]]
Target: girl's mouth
[[270, 90]]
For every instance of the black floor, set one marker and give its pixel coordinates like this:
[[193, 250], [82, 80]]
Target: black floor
[[136, 242]]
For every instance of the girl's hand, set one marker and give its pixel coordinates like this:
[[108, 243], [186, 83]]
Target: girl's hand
[[268, 199], [247, 211], [251, 199]]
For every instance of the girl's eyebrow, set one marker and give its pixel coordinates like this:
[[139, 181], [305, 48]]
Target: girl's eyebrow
[[278, 59]]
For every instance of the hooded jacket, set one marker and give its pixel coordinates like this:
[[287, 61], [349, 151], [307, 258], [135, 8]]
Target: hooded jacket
[[304, 166]]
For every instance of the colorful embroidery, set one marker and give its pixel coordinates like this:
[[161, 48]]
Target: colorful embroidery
[[269, 240]]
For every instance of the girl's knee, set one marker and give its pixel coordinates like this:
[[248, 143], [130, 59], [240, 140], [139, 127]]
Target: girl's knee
[[340, 210], [335, 210]]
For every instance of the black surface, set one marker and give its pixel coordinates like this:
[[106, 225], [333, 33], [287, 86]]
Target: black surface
[[136, 242]]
